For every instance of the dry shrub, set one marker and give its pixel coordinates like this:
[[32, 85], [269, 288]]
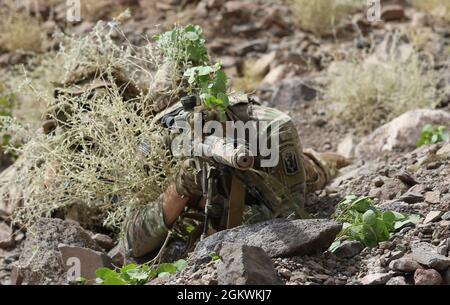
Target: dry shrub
[[106, 156], [369, 94], [439, 9], [249, 80], [322, 16], [20, 31]]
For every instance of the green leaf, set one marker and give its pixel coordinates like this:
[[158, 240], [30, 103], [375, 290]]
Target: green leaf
[[180, 264], [369, 217], [137, 274], [191, 36], [104, 272], [125, 268], [170, 268], [114, 281], [163, 274]]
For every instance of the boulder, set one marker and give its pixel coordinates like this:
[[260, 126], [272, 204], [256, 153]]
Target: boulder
[[293, 91], [427, 277], [40, 260], [278, 237], [401, 133], [83, 262], [426, 254], [245, 265]]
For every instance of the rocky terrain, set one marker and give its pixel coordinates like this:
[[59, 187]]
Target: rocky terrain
[[265, 54]]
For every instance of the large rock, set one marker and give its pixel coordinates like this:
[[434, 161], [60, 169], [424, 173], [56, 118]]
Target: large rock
[[278, 237], [401, 133], [404, 265], [427, 277], [245, 265], [83, 262], [40, 261], [293, 91], [426, 254]]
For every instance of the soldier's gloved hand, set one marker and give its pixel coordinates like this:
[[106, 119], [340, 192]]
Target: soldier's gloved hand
[[188, 182]]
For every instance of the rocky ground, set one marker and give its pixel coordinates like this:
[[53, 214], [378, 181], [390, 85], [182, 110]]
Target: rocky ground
[[385, 164]]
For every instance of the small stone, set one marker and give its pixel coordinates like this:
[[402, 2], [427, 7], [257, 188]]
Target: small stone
[[392, 13], [447, 277], [433, 216], [348, 249], [378, 182], [103, 241], [446, 216], [286, 273], [385, 245], [427, 277], [6, 236], [398, 280], [410, 197], [16, 276], [376, 279], [433, 197], [406, 178], [347, 146], [442, 250], [262, 65], [426, 254], [404, 265], [298, 276], [258, 45]]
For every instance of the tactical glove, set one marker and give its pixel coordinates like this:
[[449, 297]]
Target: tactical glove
[[188, 182]]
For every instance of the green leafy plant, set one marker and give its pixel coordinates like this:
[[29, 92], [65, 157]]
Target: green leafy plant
[[214, 256], [184, 45], [432, 134], [133, 274], [210, 82], [363, 222]]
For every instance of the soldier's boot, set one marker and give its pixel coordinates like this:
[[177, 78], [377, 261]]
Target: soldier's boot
[[320, 168]]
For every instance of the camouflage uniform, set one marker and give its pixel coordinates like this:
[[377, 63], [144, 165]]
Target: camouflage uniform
[[296, 174]]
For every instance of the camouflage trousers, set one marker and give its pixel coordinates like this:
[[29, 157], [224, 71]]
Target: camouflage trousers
[[298, 172]]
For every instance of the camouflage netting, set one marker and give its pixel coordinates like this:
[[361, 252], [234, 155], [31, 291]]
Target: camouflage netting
[[100, 154]]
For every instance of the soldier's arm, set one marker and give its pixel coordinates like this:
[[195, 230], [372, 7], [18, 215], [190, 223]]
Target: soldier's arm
[[147, 227]]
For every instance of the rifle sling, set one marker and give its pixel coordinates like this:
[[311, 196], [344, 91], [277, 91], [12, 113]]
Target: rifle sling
[[236, 203]]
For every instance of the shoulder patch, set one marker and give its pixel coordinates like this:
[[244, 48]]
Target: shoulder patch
[[290, 161]]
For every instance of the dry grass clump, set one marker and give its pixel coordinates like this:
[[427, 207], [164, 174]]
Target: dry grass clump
[[322, 16], [20, 31], [106, 154], [369, 94], [439, 9], [249, 80]]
